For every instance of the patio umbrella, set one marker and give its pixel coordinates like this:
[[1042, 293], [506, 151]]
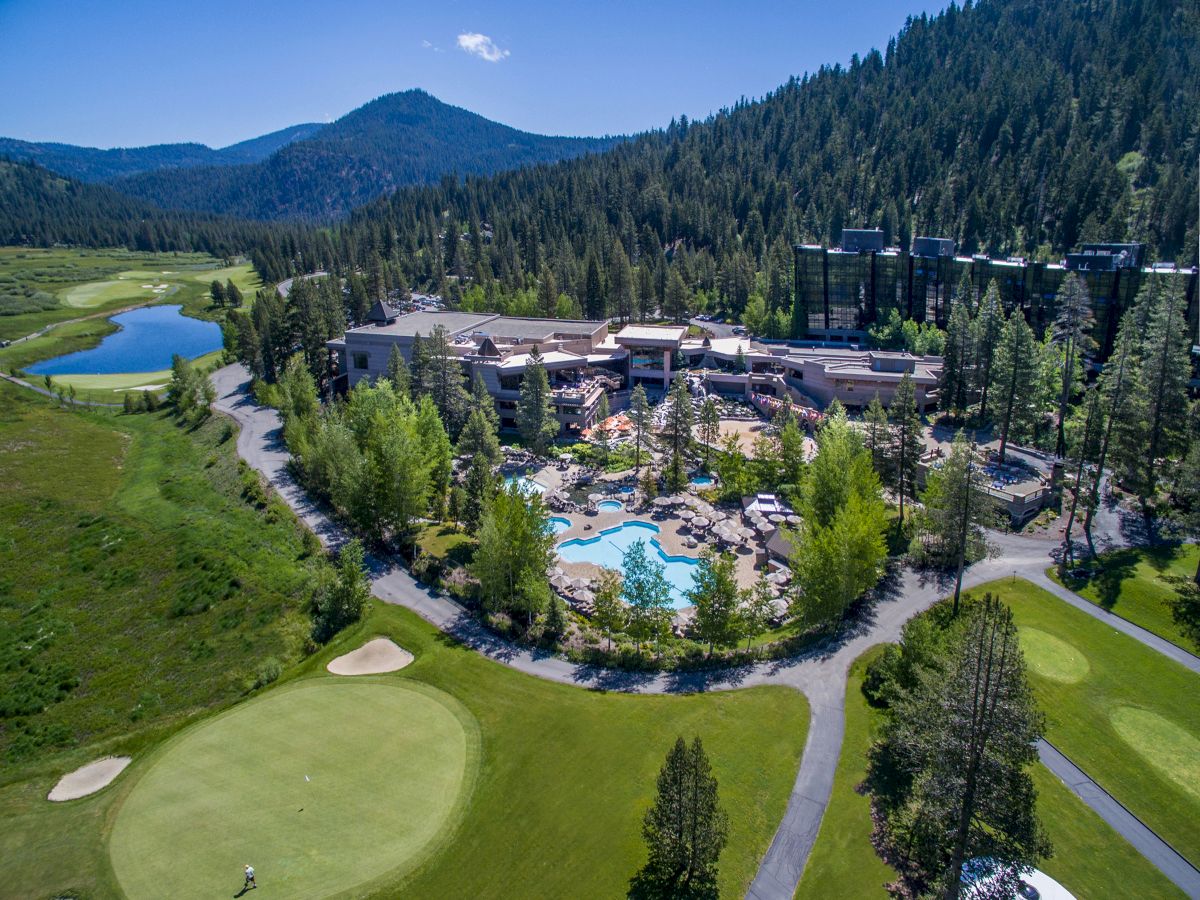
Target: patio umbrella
[[661, 501], [687, 515], [794, 520], [777, 518], [762, 526], [585, 596], [595, 498], [700, 522]]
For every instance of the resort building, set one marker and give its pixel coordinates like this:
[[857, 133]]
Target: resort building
[[584, 362], [840, 292]]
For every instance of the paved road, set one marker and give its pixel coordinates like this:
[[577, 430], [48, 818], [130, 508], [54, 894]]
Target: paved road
[[820, 673], [1125, 823]]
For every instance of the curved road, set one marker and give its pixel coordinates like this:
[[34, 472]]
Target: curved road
[[820, 674]]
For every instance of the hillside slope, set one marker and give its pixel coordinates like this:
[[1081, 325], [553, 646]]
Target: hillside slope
[[396, 140], [91, 164], [1017, 127]]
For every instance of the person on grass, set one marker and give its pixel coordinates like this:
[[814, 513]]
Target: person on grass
[[250, 882]]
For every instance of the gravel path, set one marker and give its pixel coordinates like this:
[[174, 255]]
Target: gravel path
[[820, 673]]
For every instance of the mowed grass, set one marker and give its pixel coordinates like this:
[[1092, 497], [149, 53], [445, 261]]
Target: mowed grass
[[565, 776], [323, 785], [1132, 583], [113, 388], [32, 278], [1090, 859], [137, 583], [1122, 674], [105, 293]]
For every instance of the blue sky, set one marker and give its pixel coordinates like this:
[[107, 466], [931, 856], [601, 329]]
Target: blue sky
[[135, 72]]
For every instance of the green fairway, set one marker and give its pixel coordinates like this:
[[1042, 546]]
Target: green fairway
[[100, 293], [1129, 761], [565, 776], [1132, 583], [1090, 859], [322, 786]]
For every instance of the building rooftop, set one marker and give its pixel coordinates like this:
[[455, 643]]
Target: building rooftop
[[424, 322], [652, 335]]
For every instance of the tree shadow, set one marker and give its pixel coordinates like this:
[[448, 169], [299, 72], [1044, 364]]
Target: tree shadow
[[648, 884]]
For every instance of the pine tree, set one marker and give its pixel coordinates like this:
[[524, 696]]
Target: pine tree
[[676, 300], [877, 437], [675, 436], [233, 296], [956, 512], [686, 829], [1160, 397], [217, 292], [515, 549], [1082, 446], [1114, 385], [482, 401], [1014, 376], [397, 372], [443, 380], [535, 408], [594, 301], [952, 769], [418, 364], [547, 292], [639, 415], [480, 486], [601, 433], [959, 350], [904, 451], [709, 430], [620, 284], [987, 333], [1072, 331]]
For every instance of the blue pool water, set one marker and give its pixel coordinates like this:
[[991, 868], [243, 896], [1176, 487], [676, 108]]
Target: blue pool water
[[626, 489], [608, 505], [609, 546], [702, 480], [557, 524], [525, 484], [147, 340]]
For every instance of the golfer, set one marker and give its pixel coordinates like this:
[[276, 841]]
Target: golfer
[[250, 882]]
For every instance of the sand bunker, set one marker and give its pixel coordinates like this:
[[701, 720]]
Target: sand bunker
[[88, 779], [372, 658]]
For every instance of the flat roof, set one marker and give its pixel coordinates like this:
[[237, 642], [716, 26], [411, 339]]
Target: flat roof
[[540, 329], [424, 322], [651, 335]]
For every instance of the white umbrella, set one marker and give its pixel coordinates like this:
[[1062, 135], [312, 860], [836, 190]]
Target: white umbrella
[[700, 522], [777, 518], [595, 497], [661, 501], [687, 515], [794, 520]]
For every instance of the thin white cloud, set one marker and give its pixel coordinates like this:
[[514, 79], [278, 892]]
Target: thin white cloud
[[428, 45], [480, 45]]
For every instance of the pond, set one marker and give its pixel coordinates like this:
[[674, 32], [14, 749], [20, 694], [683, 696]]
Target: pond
[[608, 549], [147, 339]]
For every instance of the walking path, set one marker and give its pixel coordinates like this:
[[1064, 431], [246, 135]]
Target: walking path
[[819, 673], [1125, 823]]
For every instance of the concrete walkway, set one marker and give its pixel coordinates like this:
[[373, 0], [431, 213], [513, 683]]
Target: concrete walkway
[[1146, 842], [819, 673]]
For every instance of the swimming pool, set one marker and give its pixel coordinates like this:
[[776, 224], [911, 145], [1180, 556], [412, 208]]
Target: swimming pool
[[557, 524], [608, 506], [702, 480], [609, 546], [626, 489], [525, 484]]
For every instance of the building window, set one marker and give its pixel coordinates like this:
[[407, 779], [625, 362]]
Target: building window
[[360, 360]]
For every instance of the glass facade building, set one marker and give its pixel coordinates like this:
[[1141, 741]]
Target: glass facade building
[[839, 293]]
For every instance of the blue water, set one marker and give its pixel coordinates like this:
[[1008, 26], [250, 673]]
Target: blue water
[[609, 546], [557, 524], [525, 484], [626, 489], [146, 341], [702, 480], [608, 505]]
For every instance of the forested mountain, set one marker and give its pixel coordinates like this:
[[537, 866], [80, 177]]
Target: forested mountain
[[41, 208], [396, 140], [93, 164], [1013, 126]]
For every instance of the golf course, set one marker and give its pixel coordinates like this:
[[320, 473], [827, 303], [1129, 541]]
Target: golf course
[[323, 786]]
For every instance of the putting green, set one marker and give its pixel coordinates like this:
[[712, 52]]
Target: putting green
[[1172, 750], [1052, 657], [322, 787]]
